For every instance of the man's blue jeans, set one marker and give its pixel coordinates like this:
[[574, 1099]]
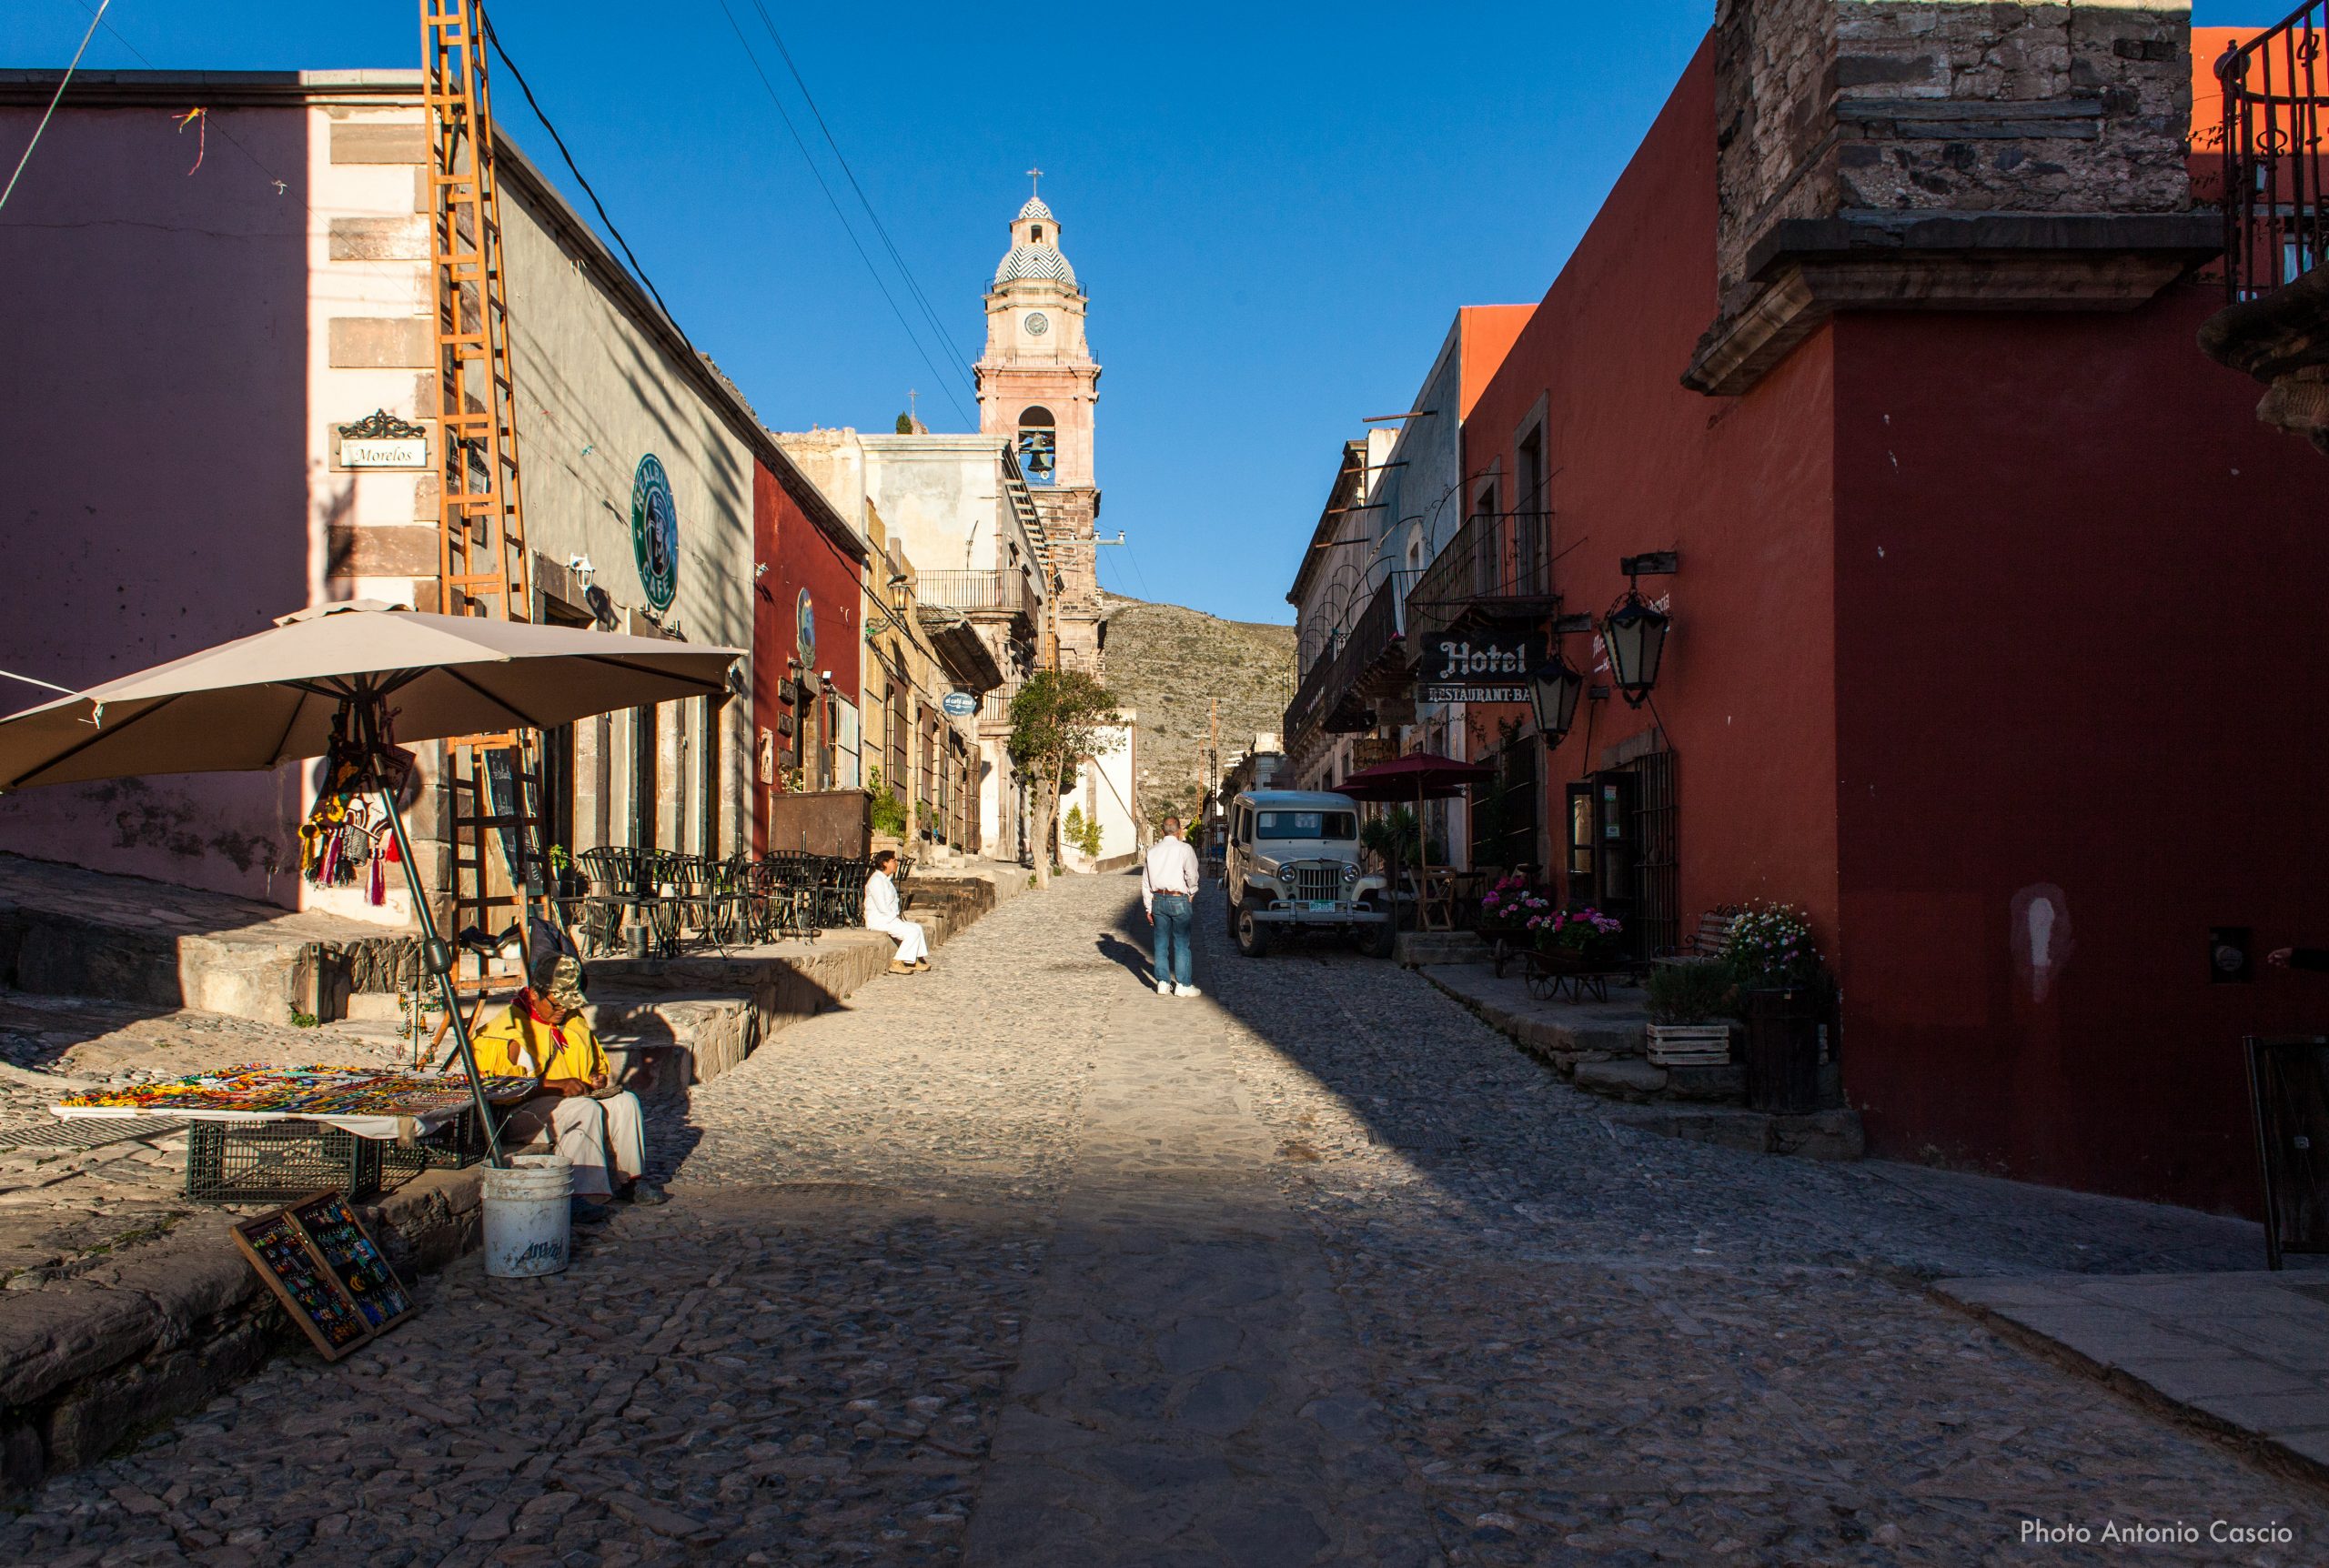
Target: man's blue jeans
[[1174, 916]]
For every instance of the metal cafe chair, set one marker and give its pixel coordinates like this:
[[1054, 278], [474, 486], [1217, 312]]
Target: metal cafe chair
[[603, 907]]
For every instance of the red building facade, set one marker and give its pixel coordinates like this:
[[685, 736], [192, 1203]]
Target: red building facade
[[807, 594], [1975, 611]]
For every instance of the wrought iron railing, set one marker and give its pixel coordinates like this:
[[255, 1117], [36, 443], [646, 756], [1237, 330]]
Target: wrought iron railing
[[1498, 562], [2275, 86], [1331, 678], [1308, 694], [975, 591]]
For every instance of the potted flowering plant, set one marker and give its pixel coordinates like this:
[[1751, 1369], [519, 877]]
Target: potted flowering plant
[[1505, 913], [1575, 939], [1783, 995]]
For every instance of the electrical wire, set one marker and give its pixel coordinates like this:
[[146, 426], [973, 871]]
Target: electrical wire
[[55, 98], [493, 38], [835, 202], [913, 285]]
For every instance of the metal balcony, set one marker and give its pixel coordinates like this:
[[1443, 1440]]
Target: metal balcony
[[974, 592], [2275, 86], [1498, 567], [1368, 665]]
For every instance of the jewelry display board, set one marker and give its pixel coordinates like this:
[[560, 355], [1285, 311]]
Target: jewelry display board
[[328, 1271]]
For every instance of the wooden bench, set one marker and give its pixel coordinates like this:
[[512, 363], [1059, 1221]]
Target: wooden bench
[[1707, 942]]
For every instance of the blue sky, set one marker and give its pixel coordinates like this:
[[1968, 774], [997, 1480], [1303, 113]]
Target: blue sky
[[1276, 209]]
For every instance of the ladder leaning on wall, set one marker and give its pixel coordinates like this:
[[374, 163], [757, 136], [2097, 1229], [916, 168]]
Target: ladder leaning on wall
[[496, 873]]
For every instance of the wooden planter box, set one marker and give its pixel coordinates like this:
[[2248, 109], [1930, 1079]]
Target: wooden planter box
[[1689, 1044]]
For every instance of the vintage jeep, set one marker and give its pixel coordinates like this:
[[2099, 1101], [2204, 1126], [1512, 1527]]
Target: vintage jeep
[[1293, 867]]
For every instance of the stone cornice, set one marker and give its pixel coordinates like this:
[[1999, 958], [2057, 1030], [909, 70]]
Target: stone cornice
[[1805, 271]]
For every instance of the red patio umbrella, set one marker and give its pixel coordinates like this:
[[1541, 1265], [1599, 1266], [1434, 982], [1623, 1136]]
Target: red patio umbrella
[[1418, 776], [1421, 775]]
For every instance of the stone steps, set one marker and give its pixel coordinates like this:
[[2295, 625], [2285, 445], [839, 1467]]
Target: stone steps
[[68, 931]]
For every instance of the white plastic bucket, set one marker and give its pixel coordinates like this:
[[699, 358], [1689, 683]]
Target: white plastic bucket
[[529, 1217]]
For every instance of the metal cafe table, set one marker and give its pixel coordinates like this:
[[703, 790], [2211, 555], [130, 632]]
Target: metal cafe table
[[266, 1134]]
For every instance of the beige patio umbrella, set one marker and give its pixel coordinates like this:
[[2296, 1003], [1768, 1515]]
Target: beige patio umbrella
[[374, 670]]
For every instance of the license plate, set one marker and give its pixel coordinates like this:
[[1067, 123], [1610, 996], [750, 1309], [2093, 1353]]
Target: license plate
[[1318, 904]]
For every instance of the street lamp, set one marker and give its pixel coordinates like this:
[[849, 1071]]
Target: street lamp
[[1634, 631], [1553, 691]]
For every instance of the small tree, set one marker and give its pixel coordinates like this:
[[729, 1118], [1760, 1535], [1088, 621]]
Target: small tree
[[1059, 722]]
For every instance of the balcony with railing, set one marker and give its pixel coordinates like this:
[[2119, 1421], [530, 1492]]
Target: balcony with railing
[[976, 592], [1498, 567], [2274, 325], [1340, 690]]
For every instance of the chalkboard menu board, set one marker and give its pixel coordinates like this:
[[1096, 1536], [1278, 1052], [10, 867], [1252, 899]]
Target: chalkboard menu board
[[328, 1271], [2288, 1082]]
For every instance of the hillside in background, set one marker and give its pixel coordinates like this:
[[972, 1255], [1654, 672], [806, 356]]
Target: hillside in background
[[1169, 663]]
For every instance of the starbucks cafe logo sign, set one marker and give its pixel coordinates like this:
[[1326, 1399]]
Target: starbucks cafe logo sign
[[655, 532]]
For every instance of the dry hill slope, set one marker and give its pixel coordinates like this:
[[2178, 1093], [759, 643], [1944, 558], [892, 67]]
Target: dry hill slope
[[1168, 663]]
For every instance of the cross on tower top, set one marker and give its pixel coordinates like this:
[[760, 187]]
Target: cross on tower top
[[1037, 176]]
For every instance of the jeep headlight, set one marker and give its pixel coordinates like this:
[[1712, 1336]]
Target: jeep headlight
[[1350, 876]]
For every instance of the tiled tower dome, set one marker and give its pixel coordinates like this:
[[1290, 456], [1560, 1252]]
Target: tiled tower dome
[[1034, 252]]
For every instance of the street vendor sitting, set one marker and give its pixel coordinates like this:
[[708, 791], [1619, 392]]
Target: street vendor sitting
[[599, 1128]]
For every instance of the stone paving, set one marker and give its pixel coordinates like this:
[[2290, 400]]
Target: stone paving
[[1017, 1261]]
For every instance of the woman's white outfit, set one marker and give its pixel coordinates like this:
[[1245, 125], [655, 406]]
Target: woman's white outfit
[[881, 915]]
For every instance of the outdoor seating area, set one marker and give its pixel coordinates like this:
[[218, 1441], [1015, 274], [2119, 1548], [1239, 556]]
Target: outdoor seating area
[[642, 901]]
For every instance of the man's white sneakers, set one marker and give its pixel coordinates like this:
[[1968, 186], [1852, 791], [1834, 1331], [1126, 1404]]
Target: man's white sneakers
[[1186, 990], [1163, 987]]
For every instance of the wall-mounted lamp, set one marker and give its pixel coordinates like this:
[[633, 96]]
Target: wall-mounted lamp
[[582, 567], [1634, 630], [759, 570], [1553, 691], [1555, 686]]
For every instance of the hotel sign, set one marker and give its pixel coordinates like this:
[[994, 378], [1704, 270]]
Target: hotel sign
[[381, 440], [1488, 668]]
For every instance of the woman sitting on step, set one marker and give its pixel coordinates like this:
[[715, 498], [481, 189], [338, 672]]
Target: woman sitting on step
[[881, 915]]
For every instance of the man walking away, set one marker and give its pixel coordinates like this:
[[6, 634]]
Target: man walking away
[[1168, 889]]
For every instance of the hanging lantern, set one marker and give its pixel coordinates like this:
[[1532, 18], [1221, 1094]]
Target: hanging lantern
[[1553, 691], [1634, 634]]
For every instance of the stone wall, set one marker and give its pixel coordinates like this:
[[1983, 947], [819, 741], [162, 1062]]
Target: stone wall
[[1830, 106]]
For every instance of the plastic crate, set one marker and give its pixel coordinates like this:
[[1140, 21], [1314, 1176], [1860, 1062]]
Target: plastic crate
[[276, 1162], [453, 1147]]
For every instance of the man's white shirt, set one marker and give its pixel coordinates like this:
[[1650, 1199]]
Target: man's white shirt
[[1172, 867], [881, 900]]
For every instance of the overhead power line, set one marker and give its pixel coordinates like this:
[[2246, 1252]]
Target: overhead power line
[[913, 285], [832, 201], [50, 112], [494, 38]]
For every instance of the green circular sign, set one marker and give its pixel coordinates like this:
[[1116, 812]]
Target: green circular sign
[[655, 532]]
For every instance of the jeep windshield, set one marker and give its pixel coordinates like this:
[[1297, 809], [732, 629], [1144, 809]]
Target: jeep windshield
[[1307, 825]]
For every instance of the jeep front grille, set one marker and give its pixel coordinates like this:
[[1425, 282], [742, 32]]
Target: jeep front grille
[[1315, 883]]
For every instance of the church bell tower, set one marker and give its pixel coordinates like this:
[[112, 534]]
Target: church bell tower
[[1036, 388]]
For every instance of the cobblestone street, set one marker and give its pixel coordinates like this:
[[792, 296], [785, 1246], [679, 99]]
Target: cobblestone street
[[1018, 1263]]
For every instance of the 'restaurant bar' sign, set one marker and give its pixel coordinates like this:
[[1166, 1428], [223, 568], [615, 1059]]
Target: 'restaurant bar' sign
[[1443, 692]]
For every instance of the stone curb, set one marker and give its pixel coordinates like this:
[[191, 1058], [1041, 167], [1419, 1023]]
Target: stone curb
[[2257, 1447], [1834, 1135]]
